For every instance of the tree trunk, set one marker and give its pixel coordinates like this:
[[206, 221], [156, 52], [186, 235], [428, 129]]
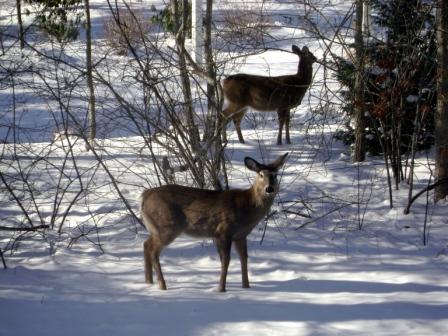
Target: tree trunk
[[441, 115], [20, 24], [214, 104], [196, 33], [180, 22], [185, 78], [89, 67], [359, 119], [209, 64]]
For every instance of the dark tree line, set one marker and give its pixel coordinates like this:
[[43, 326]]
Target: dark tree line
[[394, 92]]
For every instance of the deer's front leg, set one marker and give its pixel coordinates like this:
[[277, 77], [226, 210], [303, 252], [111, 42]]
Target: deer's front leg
[[241, 247], [287, 120], [223, 246], [281, 113]]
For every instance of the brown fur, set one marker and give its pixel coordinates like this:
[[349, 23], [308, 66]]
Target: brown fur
[[262, 93], [226, 216]]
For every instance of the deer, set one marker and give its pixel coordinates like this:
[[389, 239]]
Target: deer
[[226, 216], [280, 93]]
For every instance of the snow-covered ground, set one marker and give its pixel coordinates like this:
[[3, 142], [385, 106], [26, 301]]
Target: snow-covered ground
[[304, 282], [333, 260]]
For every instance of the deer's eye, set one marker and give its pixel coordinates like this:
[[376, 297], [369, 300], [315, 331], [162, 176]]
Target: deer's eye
[[261, 174]]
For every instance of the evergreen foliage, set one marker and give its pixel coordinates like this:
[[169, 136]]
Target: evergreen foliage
[[399, 77], [59, 18], [165, 18]]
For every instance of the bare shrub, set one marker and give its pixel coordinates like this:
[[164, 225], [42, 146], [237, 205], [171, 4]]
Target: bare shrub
[[244, 22], [125, 30]]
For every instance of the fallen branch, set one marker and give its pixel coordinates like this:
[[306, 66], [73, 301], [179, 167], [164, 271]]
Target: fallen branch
[[3, 259], [297, 213], [428, 188], [33, 228]]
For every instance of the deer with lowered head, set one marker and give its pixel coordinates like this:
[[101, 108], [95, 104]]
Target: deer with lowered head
[[280, 93], [227, 216]]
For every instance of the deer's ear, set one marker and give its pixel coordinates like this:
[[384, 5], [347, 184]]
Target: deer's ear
[[251, 164], [296, 49], [305, 50], [277, 164]]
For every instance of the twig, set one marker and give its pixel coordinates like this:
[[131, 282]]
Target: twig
[[425, 223], [19, 203], [317, 218], [266, 225]]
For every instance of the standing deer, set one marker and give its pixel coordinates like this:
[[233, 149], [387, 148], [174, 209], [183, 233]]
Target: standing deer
[[262, 93], [226, 216]]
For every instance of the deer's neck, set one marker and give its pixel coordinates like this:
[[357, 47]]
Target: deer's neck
[[304, 72]]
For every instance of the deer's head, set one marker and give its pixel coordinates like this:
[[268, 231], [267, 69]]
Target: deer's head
[[305, 54], [266, 182]]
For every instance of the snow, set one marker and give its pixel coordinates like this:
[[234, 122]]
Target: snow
[[412, 98], [309, 283], [346, 265]]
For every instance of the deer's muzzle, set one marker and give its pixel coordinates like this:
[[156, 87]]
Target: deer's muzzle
[[269, 190]]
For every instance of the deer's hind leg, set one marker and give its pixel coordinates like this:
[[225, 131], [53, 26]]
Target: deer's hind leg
[[237, 118], [236, 112], [223, 120], [148, 261], [152, 249], [156, 260]]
